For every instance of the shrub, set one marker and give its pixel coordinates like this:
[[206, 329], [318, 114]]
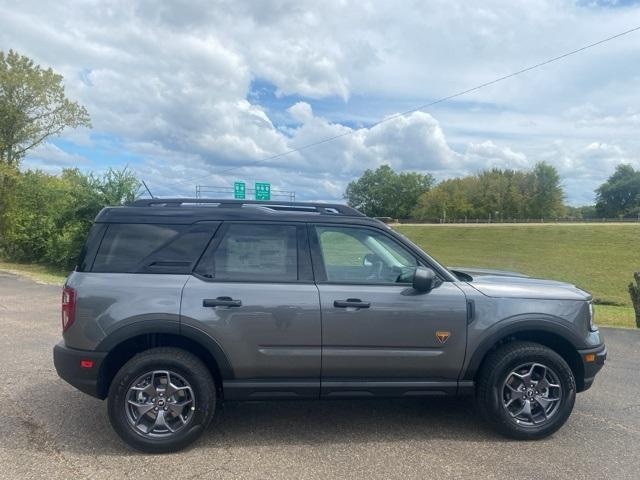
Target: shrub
[[49, 216]]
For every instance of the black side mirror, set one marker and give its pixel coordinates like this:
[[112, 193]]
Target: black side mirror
[[424, 279]]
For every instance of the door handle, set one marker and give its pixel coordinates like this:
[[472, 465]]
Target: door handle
[[351, 302], [221, 302]]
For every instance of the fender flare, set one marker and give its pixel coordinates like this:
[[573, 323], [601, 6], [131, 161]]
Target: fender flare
[[500, 332], [172, 327]]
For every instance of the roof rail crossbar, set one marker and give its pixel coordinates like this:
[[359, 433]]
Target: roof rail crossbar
[[316, 207]]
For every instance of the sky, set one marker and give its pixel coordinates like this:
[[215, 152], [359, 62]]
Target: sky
[[195, 92]]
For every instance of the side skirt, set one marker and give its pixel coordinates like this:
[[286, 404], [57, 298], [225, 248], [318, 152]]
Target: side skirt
[[313, 389]]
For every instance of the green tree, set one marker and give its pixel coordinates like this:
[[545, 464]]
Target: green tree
[[33, 107], [497, 194], [450, 199], [50, 215], [501, 194], [620, 194], [385, 193], [8, 178], [582, 212], [546, 195]]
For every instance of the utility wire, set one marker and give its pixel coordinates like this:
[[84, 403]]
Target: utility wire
[[422, 107]]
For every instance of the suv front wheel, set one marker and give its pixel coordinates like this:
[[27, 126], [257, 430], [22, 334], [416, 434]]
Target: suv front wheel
[[526, 390], [161, 400]]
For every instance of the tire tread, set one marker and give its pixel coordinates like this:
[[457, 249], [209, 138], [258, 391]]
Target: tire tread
[[486, 388], [200, 375]]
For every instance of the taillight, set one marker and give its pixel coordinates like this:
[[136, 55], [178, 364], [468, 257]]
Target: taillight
[[68, 307]]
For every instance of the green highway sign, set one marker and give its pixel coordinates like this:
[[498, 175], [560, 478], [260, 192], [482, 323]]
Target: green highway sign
[[263, 191], [238, 190]]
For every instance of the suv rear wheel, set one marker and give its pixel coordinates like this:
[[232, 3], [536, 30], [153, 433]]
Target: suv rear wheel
[[526, 390], [161, 400]]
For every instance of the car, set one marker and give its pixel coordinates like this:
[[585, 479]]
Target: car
[[178, 305]]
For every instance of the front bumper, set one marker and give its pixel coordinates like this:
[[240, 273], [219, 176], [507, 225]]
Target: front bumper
[[591, 368], [69, 365]]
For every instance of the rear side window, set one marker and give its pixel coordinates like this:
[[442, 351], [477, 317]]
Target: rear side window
[[151, 248], [255, 253], [88, 252]]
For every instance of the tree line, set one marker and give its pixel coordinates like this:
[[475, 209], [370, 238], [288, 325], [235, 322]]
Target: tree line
[[493, 194], [45, 218]]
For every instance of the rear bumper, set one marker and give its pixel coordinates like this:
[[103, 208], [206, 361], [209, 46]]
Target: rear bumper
[[591, 368], [68, 365]]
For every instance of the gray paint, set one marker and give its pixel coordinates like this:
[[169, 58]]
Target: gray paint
[[529, 288], [275, 333], [395, 336], [486, 271], [107, 302], [291, 332]]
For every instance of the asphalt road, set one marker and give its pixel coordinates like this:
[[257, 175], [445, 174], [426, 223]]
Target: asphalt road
[[50, 430]]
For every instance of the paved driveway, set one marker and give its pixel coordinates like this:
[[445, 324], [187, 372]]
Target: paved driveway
[[50, 430]]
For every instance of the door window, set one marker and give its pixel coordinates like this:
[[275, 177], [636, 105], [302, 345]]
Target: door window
[[256, 253], [360, 255]]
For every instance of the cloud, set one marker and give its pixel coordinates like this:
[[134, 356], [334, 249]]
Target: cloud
[[50, 157], [489, 155], [170, 84], [301, 112], [413, 142]]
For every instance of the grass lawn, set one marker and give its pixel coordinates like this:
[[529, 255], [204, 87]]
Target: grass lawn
[[611, 316], [599, 258], [38, 273]]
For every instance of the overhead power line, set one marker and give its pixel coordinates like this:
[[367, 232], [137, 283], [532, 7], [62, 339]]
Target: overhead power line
[[421, 107]]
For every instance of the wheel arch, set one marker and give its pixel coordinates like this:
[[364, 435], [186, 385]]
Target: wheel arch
[[124, 343], [557, 338]]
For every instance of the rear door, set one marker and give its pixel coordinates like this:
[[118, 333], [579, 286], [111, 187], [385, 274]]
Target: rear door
[[253, 293], [379, 335]]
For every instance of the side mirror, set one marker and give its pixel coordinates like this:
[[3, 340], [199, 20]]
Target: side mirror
[[424, 279]]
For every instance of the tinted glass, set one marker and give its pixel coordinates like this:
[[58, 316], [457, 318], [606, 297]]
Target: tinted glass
[[364, 256], [126, 248], [88, 252], [257, 252], [180, 253]]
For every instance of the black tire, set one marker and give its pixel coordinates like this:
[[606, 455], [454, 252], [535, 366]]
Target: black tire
[[491, 388], [185, 365]]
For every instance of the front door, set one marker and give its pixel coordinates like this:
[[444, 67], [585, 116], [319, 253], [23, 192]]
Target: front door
[[253, 293], [379, 335]]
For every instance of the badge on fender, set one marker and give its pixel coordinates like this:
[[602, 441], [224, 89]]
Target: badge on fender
[[442, 336]]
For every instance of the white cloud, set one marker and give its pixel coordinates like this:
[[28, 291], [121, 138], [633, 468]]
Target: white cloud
[[489, 155], [49, 157], [301, 112], [170, 82]]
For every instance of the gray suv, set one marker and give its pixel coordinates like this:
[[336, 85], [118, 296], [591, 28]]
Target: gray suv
[[179, 304]]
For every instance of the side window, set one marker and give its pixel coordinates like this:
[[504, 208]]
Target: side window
[[179, 254], [256, 252], [362, 255], [151, 248], [90, 247]]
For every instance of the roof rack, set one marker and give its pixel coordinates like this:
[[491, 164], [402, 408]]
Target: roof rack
[[312, 207]]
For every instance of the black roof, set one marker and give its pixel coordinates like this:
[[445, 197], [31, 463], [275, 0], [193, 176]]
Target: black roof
[[191, 210]]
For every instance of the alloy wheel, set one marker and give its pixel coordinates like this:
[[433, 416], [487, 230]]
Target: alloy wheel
[[159, 404], [531, 394]]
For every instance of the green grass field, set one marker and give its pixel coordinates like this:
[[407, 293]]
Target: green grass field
[[39, 273], [599, 258]]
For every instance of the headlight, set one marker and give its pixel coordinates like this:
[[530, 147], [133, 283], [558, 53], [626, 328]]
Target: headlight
[[592, 326]]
